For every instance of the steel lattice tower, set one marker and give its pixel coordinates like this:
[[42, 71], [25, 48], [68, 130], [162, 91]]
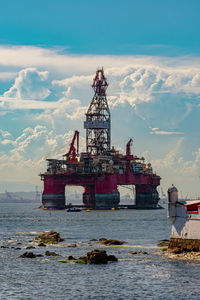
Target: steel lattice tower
[[97, 123]]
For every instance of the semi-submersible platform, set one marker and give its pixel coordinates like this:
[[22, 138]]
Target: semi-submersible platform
[[101, 169]]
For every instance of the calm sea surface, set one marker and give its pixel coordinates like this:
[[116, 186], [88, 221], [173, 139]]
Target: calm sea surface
[[150, 276]]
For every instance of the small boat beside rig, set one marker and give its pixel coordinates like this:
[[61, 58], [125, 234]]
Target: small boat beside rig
[[73, 209]]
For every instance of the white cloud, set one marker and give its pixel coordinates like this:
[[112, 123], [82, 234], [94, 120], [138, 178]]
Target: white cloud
[[6, 142], [5, 76], [5, 133], [30, 84], [23, 104], [29, 150], [162, 132], [64, 63], [144, 83], [133, 79]]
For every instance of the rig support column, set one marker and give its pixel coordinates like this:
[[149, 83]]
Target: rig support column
[[53, 196], [89, 196], [107, 195], [147, 196], [103, 195]]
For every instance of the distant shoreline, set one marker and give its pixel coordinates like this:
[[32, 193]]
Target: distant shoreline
[[18, 201]]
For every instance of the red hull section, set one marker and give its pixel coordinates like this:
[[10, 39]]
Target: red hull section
[[55, 184], [101, 187]]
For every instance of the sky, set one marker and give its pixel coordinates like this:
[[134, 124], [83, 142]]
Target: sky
[[49, 53]]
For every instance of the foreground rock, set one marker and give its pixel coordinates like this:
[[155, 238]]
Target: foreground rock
[[30, 247], [112, 258], [30, 255], [71, 258], [50, 253], [93, 257], [183, 255], [183, 245], [41, 244], [163, 243], [72, 245], [185, 249], [99, 257], [138, 252], [111, 242], [49, 237]]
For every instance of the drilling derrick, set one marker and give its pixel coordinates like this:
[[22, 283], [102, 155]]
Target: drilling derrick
[[97, 122]]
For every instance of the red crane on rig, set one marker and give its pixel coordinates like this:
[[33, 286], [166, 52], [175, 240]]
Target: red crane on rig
[[73, 152], [101, 169]]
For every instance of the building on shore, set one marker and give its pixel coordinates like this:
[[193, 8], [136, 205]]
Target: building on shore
[[185, 218]]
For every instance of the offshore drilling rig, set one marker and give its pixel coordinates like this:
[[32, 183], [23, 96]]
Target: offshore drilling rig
[[101, 168]]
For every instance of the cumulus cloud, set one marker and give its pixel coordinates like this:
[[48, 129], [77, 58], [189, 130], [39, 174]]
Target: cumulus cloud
[[147, 83], [5, 133], [26, 158], [134, 80], [31, 88], [76, 87], [40, 143], [30, 84]]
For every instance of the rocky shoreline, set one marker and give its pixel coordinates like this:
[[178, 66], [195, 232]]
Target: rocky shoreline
[[52, 237], [42, 246], [182, 249]]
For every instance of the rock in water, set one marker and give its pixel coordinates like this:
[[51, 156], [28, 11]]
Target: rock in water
[[163, 243], [111, 242], [49, 253], [102, 239], [30, 247], [28, 255], [83, 259], [72, 245], [111, 258], [41, 245], [133, 252], [137, 252], [50, 237], [71, 258], [97, 257]]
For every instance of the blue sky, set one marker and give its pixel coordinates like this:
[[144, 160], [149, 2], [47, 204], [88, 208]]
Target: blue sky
[[49, 52], [155, 27]]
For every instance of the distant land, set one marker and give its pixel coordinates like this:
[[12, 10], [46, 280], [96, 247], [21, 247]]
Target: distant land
[[20, 197]]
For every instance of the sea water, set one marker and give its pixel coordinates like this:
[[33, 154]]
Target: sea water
[[140, 276]]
